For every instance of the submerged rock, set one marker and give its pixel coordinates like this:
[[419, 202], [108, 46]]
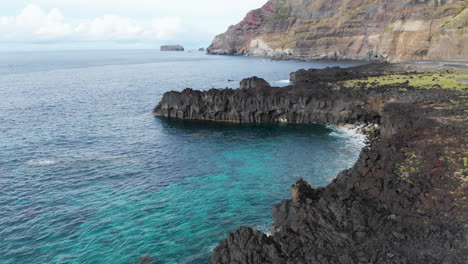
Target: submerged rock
[[147, 259]]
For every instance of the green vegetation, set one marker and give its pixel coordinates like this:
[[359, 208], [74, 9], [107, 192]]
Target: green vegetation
[[464, 25], [449, 81], [409, 166], [311, 24], [281, 15], [448, 157], [440, 10], [459, 11], [451, 157], [356, 13]]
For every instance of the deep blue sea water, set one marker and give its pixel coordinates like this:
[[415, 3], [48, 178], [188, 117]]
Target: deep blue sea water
[[88, 175]]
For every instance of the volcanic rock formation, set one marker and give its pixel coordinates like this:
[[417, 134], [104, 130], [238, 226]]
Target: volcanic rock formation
[[404, 201], [389, 30]]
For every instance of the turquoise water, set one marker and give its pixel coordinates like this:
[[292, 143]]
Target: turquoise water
[[88, 175]]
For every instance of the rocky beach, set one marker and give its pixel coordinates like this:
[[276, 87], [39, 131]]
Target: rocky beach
[[404, 201]]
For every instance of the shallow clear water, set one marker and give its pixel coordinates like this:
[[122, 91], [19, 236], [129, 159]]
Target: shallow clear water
[[88, 175]]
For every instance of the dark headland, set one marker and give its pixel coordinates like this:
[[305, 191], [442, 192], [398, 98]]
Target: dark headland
[[172, 48], [405, 199]]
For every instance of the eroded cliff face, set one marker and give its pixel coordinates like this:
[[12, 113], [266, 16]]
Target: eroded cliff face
[[390, 30]]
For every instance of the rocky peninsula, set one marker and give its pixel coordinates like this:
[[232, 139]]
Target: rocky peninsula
[[404, 201], [390, 30]]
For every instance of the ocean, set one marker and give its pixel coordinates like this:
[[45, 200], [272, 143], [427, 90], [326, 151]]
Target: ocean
[[89, 175]]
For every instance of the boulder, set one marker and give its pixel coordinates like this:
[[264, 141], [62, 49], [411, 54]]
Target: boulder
[[254, 83]]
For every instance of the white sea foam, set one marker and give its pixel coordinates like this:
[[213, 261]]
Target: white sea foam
[[265, 228], [347, 131], [41, 162], [68, 158]]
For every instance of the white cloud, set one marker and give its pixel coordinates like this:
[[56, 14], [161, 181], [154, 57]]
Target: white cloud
[[32, 20], [107, 24], [166, 28], [35, 24], [109, 27]]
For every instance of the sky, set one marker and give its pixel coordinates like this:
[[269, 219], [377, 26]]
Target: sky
[[111, 24]]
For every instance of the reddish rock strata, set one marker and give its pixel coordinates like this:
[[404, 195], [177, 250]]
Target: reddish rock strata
[[390, 30]]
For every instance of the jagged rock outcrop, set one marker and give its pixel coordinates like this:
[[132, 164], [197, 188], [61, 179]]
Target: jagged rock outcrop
[[336, 74], [254, 82], [390, 30], [256, 102], [266, 105], [404, 201], [249, 240]]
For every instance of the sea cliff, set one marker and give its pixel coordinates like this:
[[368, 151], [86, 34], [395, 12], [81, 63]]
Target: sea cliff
[[404, 201], [390, 30]]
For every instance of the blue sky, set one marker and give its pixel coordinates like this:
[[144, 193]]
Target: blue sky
[[100, 24]]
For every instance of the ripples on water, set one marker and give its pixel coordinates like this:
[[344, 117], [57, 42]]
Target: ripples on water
[[88, 175]]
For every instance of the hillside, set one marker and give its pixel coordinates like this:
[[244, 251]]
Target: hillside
[[388, 30]]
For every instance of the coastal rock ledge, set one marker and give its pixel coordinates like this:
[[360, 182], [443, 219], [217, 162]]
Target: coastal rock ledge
[[404, 201]]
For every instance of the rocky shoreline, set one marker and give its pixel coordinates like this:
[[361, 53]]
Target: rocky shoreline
[[404, 201]]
